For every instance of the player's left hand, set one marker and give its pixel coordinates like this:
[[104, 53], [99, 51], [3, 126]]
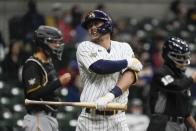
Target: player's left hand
[[134, 64], [103, 101]]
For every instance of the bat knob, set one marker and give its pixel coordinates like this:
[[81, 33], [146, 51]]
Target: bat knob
[[27, 101]]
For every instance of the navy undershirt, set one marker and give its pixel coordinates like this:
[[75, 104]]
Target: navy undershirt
[[108, 66]]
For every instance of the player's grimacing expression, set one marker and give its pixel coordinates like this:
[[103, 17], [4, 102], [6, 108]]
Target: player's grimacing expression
[[92, 28]]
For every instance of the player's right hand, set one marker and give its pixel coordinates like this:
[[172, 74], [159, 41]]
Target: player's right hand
[[134, 64], [65, 78], [101, 103]]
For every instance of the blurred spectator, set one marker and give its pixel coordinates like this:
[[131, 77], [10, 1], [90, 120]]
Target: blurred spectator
[[179, 10], [81, 33], [2, 42], [191, 15], [63, 21], [2, 48], [123, 32], [12, 62], [76, 15], [64, 24], [145, 76], [15, 28], [136, 119], [156, 46], [74, 86], [55, 15], [31, 20]]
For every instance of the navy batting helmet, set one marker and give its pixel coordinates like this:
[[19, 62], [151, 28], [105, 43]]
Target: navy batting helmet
[[176, 50], [98, 15], [46, 35]]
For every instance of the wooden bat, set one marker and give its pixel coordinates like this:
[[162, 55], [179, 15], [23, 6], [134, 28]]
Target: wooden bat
[[110, 106]]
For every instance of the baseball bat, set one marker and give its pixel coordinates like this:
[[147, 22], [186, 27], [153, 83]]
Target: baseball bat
[[110, 106]]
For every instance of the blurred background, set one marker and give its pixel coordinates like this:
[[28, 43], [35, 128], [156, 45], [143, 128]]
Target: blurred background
[[144, 24]]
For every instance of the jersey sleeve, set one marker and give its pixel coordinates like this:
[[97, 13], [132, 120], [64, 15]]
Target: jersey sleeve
[[170, 84], [34, 82], [86, 55]]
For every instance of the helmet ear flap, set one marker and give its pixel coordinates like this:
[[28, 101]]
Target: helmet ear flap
[[105, 28]]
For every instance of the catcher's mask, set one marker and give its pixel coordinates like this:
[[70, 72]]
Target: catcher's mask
[[177, 51], [50, 39]]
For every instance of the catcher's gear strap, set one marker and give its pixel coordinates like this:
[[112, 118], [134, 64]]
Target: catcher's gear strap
[[45, 74]]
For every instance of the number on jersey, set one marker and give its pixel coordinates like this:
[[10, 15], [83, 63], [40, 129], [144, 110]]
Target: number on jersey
[[167, 80]]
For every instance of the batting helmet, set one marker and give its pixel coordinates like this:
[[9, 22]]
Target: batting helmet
[[46, 35], [176, 51], [98, 15]]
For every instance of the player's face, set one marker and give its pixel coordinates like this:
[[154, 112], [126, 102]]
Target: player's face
[[181, 66], [182, 62], [57, 47], [55, 44], [92, 29]]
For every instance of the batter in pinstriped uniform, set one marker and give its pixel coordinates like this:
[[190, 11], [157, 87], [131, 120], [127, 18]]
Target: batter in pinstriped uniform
[[107, 69]]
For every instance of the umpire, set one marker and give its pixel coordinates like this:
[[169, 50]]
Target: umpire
[[170, 90], [40, 79]]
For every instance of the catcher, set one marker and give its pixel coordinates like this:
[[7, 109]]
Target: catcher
[[40, 79]]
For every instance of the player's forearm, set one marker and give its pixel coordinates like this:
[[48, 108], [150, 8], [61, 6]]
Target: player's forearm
[[191, 122], [128, 78], [46, 90]]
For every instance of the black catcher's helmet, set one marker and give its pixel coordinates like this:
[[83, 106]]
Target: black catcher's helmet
[[46, 35], [176, 51], [99, 15]]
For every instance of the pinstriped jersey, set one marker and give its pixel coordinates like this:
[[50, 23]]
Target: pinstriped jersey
[[97, 85]]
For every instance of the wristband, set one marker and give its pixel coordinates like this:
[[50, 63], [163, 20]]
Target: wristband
[[116, 91]]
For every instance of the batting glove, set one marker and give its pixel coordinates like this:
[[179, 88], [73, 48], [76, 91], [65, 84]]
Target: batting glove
[[103, 101], [134, 64]]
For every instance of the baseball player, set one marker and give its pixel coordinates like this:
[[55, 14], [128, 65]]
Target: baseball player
[[170, 90], [40, 80], [107, 69]]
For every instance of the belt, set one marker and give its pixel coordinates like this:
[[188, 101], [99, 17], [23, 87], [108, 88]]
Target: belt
[[53, 114], [106, 113], [176, 119]]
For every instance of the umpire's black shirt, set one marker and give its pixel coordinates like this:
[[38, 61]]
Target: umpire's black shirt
[[170, 92], [40, 81]]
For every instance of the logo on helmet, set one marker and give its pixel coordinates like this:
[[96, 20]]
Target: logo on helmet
[[91, 15]]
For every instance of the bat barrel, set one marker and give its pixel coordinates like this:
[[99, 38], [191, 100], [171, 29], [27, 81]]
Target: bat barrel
[[110, 106]]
